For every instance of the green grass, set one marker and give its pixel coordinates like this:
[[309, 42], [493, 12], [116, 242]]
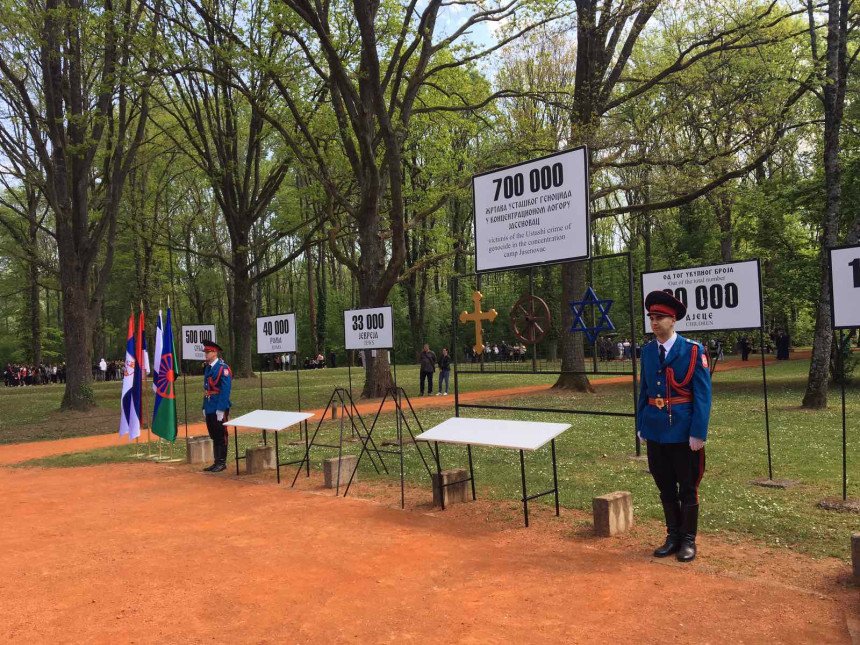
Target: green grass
[[593, 454]]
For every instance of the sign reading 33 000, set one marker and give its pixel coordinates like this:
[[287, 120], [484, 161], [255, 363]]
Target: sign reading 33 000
[[720, 297], [368, 328]]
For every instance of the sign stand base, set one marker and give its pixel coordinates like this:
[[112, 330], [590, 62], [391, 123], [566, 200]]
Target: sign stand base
[[399, 396], [348, 409]]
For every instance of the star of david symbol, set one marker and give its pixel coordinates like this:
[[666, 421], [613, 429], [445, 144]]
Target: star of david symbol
[[579, 308]]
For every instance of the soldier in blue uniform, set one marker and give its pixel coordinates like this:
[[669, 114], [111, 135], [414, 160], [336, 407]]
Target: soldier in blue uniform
[[674, 408], [217, 381]]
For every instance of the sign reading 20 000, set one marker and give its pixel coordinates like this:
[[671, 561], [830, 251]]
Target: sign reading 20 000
[[535, 212], [720, 297]]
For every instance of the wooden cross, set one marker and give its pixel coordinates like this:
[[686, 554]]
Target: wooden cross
[[477, 317]]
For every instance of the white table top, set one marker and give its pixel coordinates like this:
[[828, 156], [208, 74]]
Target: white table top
[[498, 433], [269, 420]]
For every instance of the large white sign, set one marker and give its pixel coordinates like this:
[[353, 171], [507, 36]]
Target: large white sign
[[532, 213], [192, 341], [845, 286], [720, 297], [369, 328], [276, 334]]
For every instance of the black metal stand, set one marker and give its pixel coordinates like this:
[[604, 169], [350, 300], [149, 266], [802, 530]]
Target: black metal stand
[[526, 498], [634, 414], [844, 429], [766, 414], [185, 402], [347, 409], [398, 395]]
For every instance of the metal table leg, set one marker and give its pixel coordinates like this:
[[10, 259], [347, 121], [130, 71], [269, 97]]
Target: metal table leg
[[471, 470], [555, 476], [236, 441], [525, 496], [277, 457]]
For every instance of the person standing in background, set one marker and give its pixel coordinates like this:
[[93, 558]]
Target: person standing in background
[[427, 363], [444, 371]]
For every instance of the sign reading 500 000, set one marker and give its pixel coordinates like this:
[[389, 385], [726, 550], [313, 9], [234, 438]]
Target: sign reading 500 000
[[535, 212]]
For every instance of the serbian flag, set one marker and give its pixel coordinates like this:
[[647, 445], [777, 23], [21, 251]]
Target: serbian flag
[[164, 409], [137, 386], [158, 345], [129, 423]]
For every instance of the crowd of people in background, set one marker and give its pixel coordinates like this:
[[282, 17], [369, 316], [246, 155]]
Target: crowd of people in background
[[15, 375], [496, 352]]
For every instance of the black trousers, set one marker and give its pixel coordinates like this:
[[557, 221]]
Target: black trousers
[[218, 434], [429, 377], [677, 471]]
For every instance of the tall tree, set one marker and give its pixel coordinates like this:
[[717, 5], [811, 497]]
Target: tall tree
[[73, 75], [830, 89], [223, 131]]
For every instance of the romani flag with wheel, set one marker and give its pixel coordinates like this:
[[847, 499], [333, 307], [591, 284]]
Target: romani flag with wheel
[[164, 409]]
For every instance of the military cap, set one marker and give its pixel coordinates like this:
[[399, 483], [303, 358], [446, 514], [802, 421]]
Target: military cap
[[661, 302], [211, 346]]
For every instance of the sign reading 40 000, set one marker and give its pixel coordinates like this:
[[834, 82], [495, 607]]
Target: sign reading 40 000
[[532, 213], [276, 334]]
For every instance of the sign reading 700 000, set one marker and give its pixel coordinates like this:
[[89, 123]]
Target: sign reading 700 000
[[535, 212]]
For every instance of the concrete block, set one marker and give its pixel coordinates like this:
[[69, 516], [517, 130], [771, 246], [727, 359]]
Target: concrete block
[[454, 494], [348, 464], [259, 458], [198, 450], [613, 513], [855, 555]]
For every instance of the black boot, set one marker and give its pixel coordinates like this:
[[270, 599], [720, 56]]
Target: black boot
[[689, 528], [672, 511], [209, 469]]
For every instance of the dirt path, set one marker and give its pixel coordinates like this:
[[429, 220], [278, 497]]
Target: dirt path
[[13, 453], [146, 553]]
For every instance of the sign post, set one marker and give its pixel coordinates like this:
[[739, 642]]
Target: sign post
[[275, 335], [718, 297], [845, 312], [193, 337], [532, 213]]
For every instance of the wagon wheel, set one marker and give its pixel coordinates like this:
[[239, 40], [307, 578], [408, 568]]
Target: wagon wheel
[[530, 319]]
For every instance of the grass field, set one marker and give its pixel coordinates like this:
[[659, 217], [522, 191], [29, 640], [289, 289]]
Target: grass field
[[593, 456]]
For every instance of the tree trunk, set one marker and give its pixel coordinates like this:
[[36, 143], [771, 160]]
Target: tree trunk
[[77, 337], [833, 91], [312, 306], [322, 303], [241, 319], [371, 263], [33, 306], [573, 281]]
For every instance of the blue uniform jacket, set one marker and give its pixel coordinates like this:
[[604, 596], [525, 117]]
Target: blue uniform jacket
[[217, 381], [691, 379]]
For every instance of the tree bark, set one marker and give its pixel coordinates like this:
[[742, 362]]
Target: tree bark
[[833, 92], [572, 350]]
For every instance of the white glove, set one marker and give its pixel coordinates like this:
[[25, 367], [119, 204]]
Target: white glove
[[220, 416], [639, 434], [696, 443]]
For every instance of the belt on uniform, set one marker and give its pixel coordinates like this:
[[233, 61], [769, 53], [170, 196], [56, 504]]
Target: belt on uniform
[[661, 403], [213, 393]]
